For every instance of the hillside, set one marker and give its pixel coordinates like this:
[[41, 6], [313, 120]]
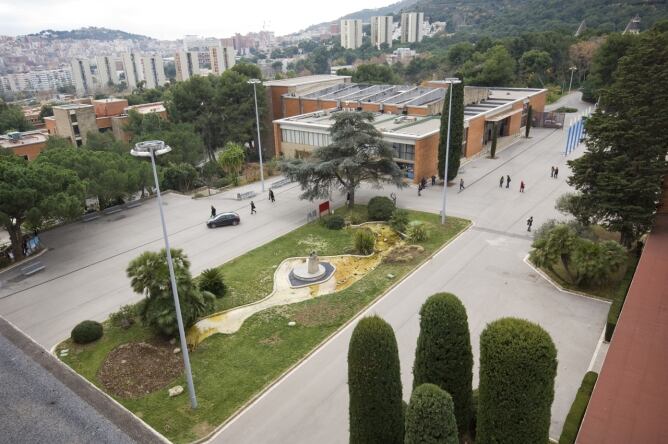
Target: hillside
[[90, 33], [366, 14]]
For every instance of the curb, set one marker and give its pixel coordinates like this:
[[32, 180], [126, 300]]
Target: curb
[[24, 261], [362, 312]]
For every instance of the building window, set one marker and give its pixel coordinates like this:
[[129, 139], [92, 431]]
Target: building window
[[305, 138], [73, 118], [79, 143], [404, 151]]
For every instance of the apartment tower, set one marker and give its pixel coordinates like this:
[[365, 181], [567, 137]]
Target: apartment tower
[[82, 77], [411, 27], [186, 64], [153, 70], [132, 69], [106, 71], [381, 30], [351, 33], [222, 58]]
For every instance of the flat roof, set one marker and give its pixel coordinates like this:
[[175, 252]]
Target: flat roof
[[70, 106], [629, 403], [109, 100], [26, 138], [144, 108], [305, 80]]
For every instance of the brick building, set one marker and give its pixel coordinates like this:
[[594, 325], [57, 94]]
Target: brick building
[[27, 144]]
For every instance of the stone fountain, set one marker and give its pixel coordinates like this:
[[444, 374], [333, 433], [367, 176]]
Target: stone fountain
[[313, 272]]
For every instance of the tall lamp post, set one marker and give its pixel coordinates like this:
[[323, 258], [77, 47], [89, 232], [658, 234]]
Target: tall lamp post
[[572, 69], [451, 82], [254, 82], [153, 148]]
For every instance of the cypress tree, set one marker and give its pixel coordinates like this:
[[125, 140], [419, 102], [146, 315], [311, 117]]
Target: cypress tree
[[374, 384], [430, 417], [456, 131], [495, 139], [518, 363], [443, 356], [528, 125]]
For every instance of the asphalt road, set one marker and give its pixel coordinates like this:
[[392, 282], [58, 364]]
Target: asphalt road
[[85, 279]]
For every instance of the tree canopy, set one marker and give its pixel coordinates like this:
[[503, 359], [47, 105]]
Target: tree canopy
[[357, 154], [374, 73], [12, 119]]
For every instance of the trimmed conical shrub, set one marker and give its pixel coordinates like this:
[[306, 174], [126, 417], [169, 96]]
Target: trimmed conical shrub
[[443, 355], [374, 384], [430, 417], [518, 363]]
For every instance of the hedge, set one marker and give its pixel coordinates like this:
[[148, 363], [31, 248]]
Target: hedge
[[334, 222], [374, 384], [380, 208], [578, 408], [443, 355], [86, 332], [430, 417], [518, 364]]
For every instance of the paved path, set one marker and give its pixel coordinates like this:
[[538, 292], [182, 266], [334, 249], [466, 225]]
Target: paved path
[[484, 267]]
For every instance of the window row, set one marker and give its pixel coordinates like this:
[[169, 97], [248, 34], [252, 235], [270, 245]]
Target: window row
[[305, 138], [403, 151]]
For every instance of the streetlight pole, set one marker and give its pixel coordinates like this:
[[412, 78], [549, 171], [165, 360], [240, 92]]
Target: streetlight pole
[[153, 148], [257, 124], [572, 69], [451, 82]]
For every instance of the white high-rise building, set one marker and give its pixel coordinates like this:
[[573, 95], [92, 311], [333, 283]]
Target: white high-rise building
[[411, 27], [154, 71], [186, 64], [82, 77], [222, 58], [351, 33], [106, 71], [132, 69], [381, 30]]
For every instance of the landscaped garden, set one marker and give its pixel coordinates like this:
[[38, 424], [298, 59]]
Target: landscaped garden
[[137, 366]]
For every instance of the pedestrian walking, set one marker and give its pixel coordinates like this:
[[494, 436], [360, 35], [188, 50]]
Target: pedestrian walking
[[433, 180], [507, 181], [419, 189], [556, 172], [521, 186], [529, 223], [348, 199], [271, 196], [552, 171], [253, 207], [393, 196], [461, 184], [423, 183], [501, 182], [213, 211]]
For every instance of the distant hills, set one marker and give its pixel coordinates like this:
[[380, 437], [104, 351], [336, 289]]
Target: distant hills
[[511, 17], [89, 33]]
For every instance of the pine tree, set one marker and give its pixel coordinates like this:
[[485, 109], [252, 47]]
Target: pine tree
[[443, 356], [374, 384], [456, 131]]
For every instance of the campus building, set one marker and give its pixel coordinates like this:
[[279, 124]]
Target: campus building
[[27, 144], [407, 116], [186, 64], [351, 33], [411, 27], [73, 121], [382, 28]]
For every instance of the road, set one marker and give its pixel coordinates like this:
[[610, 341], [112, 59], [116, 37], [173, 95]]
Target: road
[[85, 279], [485, 267]]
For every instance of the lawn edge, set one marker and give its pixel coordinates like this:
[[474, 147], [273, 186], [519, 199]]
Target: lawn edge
[[324, 342]]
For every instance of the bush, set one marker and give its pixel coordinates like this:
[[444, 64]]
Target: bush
[[334, 222], [430, 417], [124, 317], [364, 241], [577, 411], [86, 332], [374, 384], [380, 208], [518, 363], [417, 232], [211, 280], [399, 220], [443, 356]]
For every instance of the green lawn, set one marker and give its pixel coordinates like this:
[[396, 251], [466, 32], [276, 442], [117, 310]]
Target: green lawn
[[229, 370]]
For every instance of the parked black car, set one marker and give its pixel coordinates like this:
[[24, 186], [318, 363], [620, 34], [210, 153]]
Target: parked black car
[[229, 218]]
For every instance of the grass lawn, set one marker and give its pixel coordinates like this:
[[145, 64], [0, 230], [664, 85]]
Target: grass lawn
[[229, 370]]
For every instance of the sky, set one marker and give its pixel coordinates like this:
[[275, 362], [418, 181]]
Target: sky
[[170, 20]]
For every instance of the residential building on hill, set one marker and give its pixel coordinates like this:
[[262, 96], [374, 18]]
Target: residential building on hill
[[222, 58], [411, 27], [186, 64], [82, 77], [382, 27], [351, 33]]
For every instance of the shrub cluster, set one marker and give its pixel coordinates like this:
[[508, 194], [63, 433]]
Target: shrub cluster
[[417, 232], [364, 241], [443, 356], [399, 220], [577, 411], [334, 222], [86, 332], [380, 208], [124, 317], [430, 417], [211, 280], [374, 384], [518, 364]]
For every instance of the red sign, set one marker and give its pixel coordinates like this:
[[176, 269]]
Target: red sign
[[324, 207]]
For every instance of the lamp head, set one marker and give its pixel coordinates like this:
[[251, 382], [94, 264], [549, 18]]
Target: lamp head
[[254, 81], [144, 149]]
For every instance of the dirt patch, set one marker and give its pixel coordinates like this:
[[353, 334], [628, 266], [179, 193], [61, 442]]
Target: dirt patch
[[136, 369], [202, 429], [271, 340], [402, 254], [314, 315]]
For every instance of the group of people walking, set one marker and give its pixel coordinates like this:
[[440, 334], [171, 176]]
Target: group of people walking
[[555, 172], [253, 209], [507, 181]]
